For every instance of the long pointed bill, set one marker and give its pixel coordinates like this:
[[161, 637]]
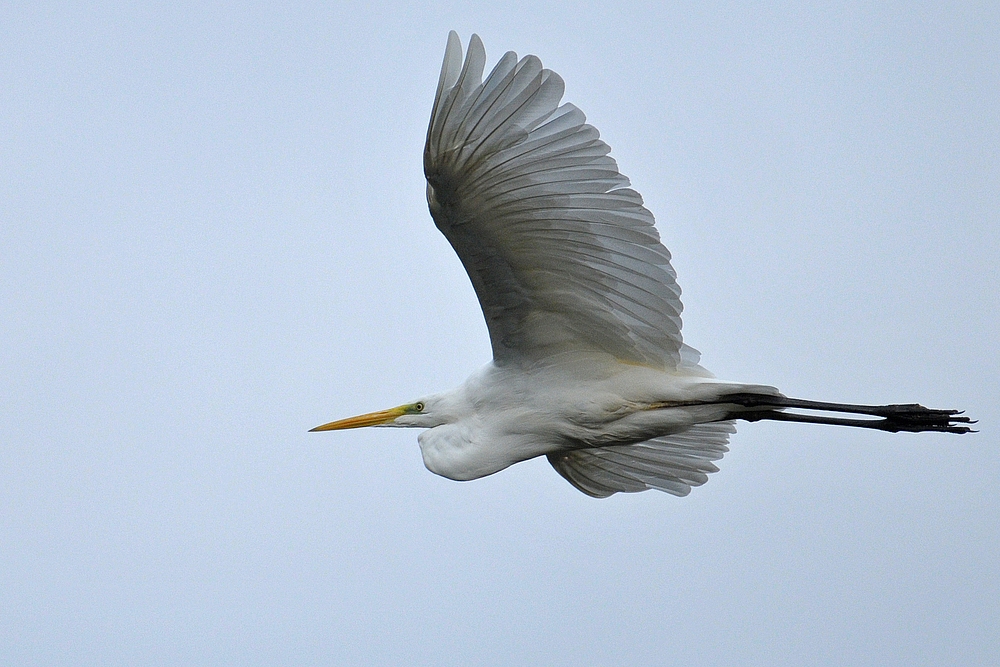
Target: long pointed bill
[[370, 419]]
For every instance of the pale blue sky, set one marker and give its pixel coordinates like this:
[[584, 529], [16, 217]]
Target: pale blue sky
[[213, 236]]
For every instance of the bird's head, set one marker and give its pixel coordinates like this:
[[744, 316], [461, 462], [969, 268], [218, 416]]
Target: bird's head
[[424, 413]]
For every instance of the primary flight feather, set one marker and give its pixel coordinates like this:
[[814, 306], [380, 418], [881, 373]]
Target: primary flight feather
[[582, 305]]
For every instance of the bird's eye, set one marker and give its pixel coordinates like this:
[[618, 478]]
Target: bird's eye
[[419, 407]]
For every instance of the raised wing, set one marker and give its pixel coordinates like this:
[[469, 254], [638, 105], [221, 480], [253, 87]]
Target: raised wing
[[562, 254]]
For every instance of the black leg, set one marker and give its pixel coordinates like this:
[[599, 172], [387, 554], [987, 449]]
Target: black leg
[[910, 417]]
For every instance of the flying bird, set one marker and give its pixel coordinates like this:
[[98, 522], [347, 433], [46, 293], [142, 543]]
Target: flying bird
[[582, 305]]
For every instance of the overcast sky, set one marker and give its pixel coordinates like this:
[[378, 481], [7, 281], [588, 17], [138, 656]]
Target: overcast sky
[[213, 237]]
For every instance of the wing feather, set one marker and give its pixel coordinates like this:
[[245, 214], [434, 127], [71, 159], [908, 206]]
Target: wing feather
[[672, 463], [561, 252]]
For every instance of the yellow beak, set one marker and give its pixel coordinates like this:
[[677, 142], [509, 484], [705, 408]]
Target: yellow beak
[[370, 419]]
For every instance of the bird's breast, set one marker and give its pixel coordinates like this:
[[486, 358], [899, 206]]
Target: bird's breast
[[462, 452]]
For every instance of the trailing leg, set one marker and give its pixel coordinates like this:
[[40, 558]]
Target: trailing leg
[[910, 417]]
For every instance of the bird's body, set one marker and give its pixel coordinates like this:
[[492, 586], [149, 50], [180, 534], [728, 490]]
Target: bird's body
[[503, 415], [589, 367]]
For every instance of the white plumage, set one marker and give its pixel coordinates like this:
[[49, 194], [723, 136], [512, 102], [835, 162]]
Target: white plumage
[[560, 251], [582, 304]]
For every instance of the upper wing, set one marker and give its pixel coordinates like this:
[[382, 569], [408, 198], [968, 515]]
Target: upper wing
[[562, 254]]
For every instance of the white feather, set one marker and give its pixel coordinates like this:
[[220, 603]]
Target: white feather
[[561, 252]]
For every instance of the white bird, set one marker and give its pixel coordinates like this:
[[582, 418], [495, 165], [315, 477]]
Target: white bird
[[582, 305]]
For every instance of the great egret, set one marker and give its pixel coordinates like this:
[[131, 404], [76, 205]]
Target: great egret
[[581, 303]]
